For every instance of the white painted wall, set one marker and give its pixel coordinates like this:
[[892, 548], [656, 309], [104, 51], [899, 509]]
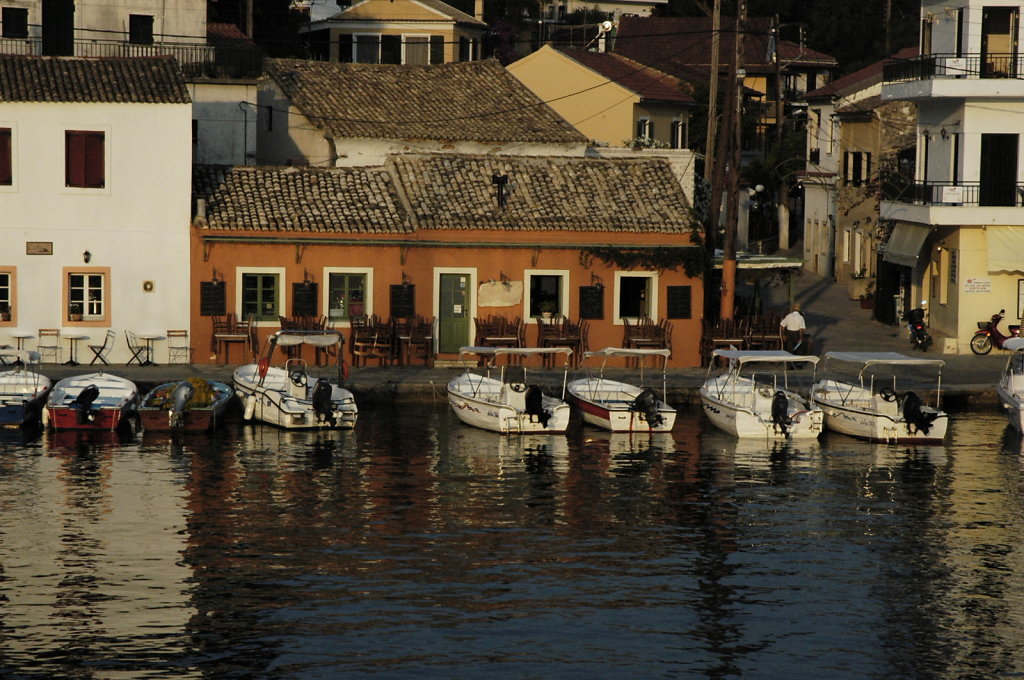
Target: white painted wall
[[181, 21], [138, 225], [226, 115]]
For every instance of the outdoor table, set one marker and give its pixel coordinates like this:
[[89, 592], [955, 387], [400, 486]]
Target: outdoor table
[[22, 336], [72, 337], [150, 338]]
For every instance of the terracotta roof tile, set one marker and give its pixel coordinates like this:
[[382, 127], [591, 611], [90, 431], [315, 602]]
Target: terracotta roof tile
[[465, 101], [543, 193], [139, 80], [447, 191], [341, 200], [648, 82], [681, 46]]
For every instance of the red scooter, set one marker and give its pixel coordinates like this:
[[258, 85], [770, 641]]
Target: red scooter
[[988, 334]]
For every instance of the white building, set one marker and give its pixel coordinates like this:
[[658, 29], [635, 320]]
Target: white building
[[959, 221], [95, 189]]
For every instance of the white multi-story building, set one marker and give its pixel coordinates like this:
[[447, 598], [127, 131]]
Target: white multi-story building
[[958, 223], [95, 188]]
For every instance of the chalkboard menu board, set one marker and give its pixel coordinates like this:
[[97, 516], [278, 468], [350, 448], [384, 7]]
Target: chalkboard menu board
[[304, 299], [591, 302], [403, 300], [212, 300], [679, 302]]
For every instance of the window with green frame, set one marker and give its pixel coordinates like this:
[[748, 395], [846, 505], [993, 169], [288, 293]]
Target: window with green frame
[[259, 296], [346, 295]]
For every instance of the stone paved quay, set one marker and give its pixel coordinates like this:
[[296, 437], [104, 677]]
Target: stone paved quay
[[834, 321]]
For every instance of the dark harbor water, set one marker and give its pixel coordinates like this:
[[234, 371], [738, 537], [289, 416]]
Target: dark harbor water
[[417, 547]]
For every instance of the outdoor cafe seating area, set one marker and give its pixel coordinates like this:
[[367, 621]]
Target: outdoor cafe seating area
[[754, 332], [398, 340]]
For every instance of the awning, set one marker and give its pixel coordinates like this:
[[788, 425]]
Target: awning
[[904, 246], [1005, 249]]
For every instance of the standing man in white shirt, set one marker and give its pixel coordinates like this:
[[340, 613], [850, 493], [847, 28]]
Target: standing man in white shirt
[[793, 326]]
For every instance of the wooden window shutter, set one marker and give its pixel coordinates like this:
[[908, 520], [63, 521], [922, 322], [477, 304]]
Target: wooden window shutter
[[94, 171], [84, 159], [437, 49], [6, 161]]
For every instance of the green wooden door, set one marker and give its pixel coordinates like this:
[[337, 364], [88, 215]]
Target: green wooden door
[[453, 312]]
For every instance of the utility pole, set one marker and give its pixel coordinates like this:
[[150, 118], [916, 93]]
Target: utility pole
[[782, 209], [248, 18], [728, 301], [711, 168]]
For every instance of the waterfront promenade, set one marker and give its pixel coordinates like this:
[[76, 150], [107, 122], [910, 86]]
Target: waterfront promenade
[[834, 321]]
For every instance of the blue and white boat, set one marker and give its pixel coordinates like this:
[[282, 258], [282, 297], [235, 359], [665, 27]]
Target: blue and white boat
[[23, 392]]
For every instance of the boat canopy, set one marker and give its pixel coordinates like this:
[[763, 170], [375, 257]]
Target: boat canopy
[[628, 352], [316, 338], [876, 358], [764, 357], [1014, 344], [513, 351]]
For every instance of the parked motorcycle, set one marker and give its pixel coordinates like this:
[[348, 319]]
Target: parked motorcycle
[[920, 338], [989, 335]]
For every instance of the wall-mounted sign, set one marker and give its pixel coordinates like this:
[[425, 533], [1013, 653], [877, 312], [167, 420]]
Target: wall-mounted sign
[[39, 248], [977, 285]]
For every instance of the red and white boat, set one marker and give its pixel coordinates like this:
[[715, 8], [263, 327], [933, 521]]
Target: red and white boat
[[619, 406], [94, 401]]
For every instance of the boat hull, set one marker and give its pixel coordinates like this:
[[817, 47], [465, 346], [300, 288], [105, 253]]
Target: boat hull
[[23, 396], [856, 412], [277, 402], [491, 405], [740, 409], [607, 404], [114, 408], [1013, 406], [158, 418]]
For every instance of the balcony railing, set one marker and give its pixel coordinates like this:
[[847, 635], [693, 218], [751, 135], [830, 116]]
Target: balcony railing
[[953, 66], [196, 60], [993, 194]]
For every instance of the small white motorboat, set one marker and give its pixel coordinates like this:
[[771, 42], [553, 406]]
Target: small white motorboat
[[94, 401], [22, 392], [619, 406], [868, 405], [286, 396], [1010, 387], [493, 399], [752, 397]]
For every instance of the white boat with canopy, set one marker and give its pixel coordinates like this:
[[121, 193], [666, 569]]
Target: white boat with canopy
[[1010, 387], [23, 392], [752, 396], [287, 396], [622, 407], [498, 398], [869, 405]]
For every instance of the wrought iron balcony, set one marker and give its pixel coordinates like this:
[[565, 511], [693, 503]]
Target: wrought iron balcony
[[196, 60], [995, 194], [929, 66]]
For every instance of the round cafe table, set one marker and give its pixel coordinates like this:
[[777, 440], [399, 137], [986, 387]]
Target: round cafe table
[[21, 336], [72, 337], [150, 338]]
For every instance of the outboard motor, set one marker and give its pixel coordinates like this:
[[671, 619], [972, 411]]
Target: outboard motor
[[915, 415], [780, 412], [181, 395], [647, 403], [535, 405], [83, 403], [321, 398]]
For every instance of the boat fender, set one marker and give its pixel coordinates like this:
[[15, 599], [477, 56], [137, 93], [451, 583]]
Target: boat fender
[[344, 370], [179, 399], [535, 405], [250, 407], [321, 398], [83, 404], [263, 367], [914, 414], [647, 403], [780, 412]]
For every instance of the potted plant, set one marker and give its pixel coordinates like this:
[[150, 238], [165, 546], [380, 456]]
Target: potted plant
[[547, 308], [867, 298], [355, 304], [75, 311], [5, 311]]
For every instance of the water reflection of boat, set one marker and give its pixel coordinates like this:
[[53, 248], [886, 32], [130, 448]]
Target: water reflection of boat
[[78, 441], [487, 449], [758, 453]]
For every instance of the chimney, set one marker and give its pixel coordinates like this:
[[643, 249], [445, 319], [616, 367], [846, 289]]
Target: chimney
[[478, 10]]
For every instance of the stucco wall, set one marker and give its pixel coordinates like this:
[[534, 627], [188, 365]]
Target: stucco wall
[[226, 117]]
